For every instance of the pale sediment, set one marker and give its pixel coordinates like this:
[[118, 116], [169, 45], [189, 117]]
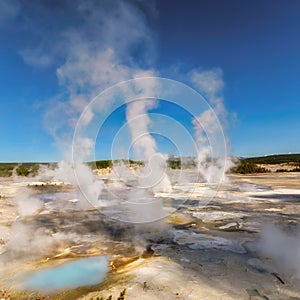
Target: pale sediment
[[199, 252]]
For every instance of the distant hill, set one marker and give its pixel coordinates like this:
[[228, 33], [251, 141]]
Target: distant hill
[[245, 166], [274, 159]]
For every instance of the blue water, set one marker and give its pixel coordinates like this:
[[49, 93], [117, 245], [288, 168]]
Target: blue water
[[82, 272]]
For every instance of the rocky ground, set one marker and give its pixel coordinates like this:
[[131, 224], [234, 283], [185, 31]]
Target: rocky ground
[[215, 251]]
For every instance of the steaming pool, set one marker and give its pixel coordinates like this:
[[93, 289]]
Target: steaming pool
[[83, 272]]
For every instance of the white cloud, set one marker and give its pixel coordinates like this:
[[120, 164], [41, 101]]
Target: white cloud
[[36, 58]]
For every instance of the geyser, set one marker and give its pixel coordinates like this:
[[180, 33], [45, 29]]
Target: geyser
[[141, 96]]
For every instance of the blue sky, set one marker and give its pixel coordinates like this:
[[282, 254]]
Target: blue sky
[[256, 44]]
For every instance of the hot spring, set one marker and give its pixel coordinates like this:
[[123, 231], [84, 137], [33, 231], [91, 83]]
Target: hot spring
[[83, 272]]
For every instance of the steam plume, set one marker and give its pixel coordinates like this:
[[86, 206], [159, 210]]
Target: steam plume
[[282, 247], [211, 165]]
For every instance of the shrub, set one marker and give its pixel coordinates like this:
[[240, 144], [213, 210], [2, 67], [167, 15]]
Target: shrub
[[246, 167], [22, 170], [174, 164]]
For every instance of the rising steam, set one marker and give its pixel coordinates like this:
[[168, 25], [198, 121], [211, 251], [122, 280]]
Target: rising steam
[[211, 165], [282, 247]]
